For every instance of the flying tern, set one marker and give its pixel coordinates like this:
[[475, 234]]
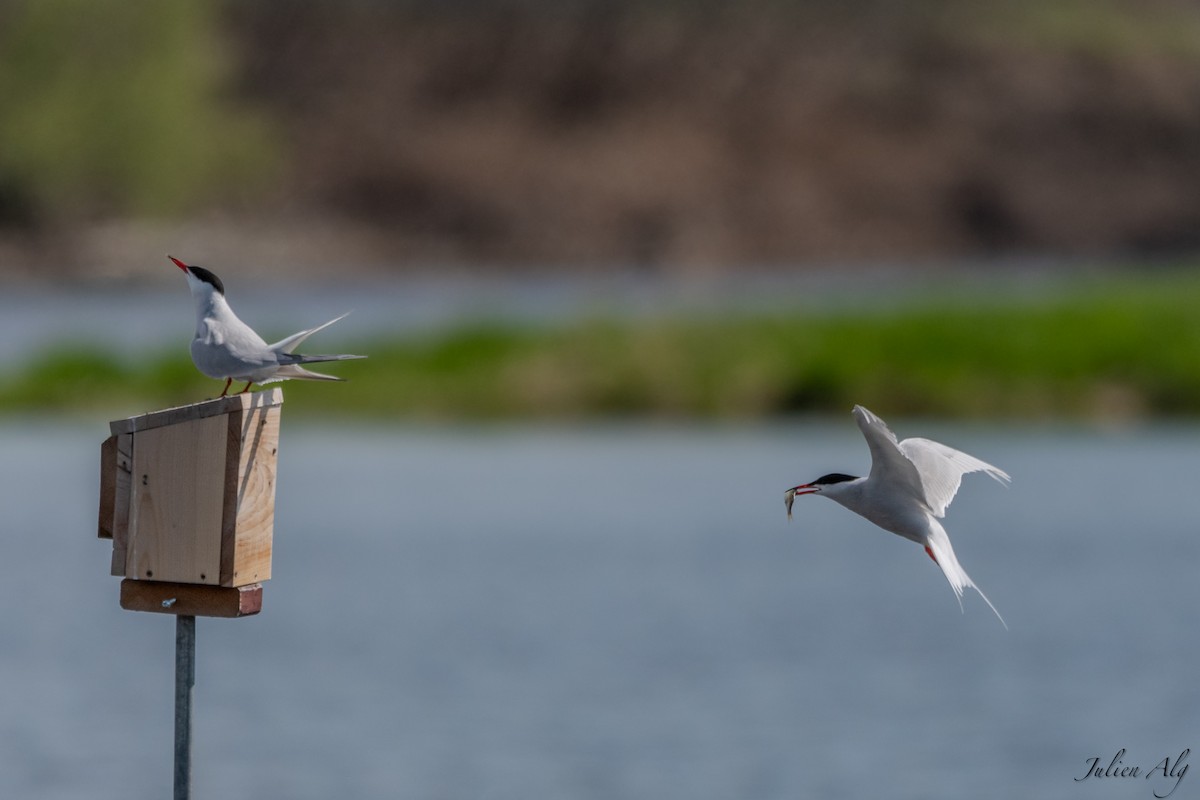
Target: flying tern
[[225, 347], [907, 491]]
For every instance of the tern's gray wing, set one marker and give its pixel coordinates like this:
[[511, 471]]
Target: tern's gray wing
[[941, 469], [228, 347], [890, 468], [292, 342]]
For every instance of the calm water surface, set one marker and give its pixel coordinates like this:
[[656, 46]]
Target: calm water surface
[[622, 612]]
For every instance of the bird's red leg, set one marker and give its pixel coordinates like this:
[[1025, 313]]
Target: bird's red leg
[[226, 389], [243, 391], [931, 555]]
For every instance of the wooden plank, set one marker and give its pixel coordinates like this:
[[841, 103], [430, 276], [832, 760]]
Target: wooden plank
[[123, 495], [185, 598], [233, 459], [108, 487], [202, 410], [178, 489], [255, 496]]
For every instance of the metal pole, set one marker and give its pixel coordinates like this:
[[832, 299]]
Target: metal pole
[[185, 680]]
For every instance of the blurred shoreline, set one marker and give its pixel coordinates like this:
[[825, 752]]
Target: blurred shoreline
[[682, 138], [1088, 348]]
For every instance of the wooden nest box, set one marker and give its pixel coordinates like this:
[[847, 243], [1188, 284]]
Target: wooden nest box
[[187, 496]]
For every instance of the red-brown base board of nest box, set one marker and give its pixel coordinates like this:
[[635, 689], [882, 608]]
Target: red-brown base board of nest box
[[191, 599]]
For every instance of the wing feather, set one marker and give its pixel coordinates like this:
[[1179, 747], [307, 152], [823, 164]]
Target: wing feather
[[929, 471], [889, 466], [941, 469], [292, 342]]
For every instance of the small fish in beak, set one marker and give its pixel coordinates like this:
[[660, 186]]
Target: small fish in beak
[[789, 497]]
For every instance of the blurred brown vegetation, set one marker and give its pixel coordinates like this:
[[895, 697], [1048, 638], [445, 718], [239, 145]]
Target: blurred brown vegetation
[[671, 134]]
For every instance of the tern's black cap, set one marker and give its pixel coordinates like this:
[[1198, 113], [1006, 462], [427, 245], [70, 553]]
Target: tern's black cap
[[209, 278], [201, 273], [833, 477]]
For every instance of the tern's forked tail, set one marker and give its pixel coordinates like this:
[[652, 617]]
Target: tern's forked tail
[[296, 372], [939, 547]]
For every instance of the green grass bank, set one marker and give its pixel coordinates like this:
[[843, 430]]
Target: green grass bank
[[1125, 348]]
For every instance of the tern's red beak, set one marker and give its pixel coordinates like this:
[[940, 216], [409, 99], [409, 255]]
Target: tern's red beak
[[179, 263]]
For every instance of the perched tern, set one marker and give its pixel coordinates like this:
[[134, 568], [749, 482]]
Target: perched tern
[[910, 485], [225, 347]]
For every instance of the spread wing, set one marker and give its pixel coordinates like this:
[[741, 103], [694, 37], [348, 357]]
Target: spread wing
[[929, 471], [941, 469], [292, 342], [889, 465]]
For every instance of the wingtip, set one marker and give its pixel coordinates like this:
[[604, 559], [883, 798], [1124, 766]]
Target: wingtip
[[1000, 476], [866, 416]]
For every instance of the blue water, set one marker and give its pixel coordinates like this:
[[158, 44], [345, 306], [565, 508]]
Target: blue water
[[622, 612]]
